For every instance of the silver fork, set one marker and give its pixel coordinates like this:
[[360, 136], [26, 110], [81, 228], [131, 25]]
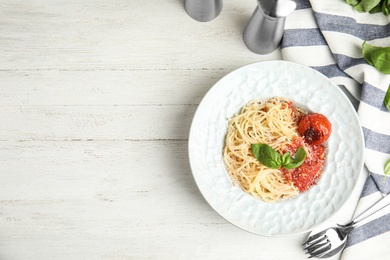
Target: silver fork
[[328, 240], [329, 243]]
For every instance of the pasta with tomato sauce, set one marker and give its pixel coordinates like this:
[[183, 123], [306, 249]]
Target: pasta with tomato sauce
[[284, 127]]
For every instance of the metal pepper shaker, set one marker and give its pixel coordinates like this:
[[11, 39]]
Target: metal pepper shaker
[[203, 10], [264, 30]]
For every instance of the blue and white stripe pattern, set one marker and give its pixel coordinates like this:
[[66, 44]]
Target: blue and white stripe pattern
[[327, 36]]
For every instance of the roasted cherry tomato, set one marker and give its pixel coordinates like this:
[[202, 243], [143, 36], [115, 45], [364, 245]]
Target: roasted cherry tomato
[[315, 128]]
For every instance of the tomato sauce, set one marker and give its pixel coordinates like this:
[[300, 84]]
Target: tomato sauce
[[306, 175]]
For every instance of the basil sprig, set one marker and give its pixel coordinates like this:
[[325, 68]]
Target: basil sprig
[[377, 56], [272, 159], [371, 6], [387, 99], [386, 168]]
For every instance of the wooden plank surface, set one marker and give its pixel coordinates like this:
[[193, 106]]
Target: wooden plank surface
[[107, 199], [96, 103]]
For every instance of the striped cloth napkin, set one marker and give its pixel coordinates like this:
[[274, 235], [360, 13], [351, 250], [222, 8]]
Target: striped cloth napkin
[[327, 36]]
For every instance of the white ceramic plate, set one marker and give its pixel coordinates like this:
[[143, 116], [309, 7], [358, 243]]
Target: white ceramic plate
[[303, 86]]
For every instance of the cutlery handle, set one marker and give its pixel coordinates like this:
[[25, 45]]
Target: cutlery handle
[[373, 212]]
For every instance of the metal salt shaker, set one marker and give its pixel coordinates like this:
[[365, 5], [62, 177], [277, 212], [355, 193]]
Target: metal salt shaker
[[265, 28], [203, 10]]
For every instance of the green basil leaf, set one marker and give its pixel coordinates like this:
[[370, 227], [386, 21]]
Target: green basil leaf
[[386, 7], [353, 2], [377, 56], [386, 169], [267, 155], [286, 158], [371, 6], [377, 8], [367, 50], [387, 98], [366, 5], [300, 155], [381, 60], [297, 160]]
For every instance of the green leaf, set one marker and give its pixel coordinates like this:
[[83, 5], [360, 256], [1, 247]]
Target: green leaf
[[378, 8], [286, 158], [387, 98], [353, 2], [381, 60], [297, 160], [267, 155], [377, 56], [371, 6], [367, 50], [386, 169], [386, 7], [366, 5], [272, 159]]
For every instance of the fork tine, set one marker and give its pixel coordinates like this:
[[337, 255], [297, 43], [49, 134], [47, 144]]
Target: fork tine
[[314, 237], [315, 242], [315, 247], [321, 252]]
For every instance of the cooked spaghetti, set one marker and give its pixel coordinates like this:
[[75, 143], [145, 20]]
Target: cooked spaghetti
[[274, 122]]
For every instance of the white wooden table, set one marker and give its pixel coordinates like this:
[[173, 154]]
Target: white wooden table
[[97, 99]]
